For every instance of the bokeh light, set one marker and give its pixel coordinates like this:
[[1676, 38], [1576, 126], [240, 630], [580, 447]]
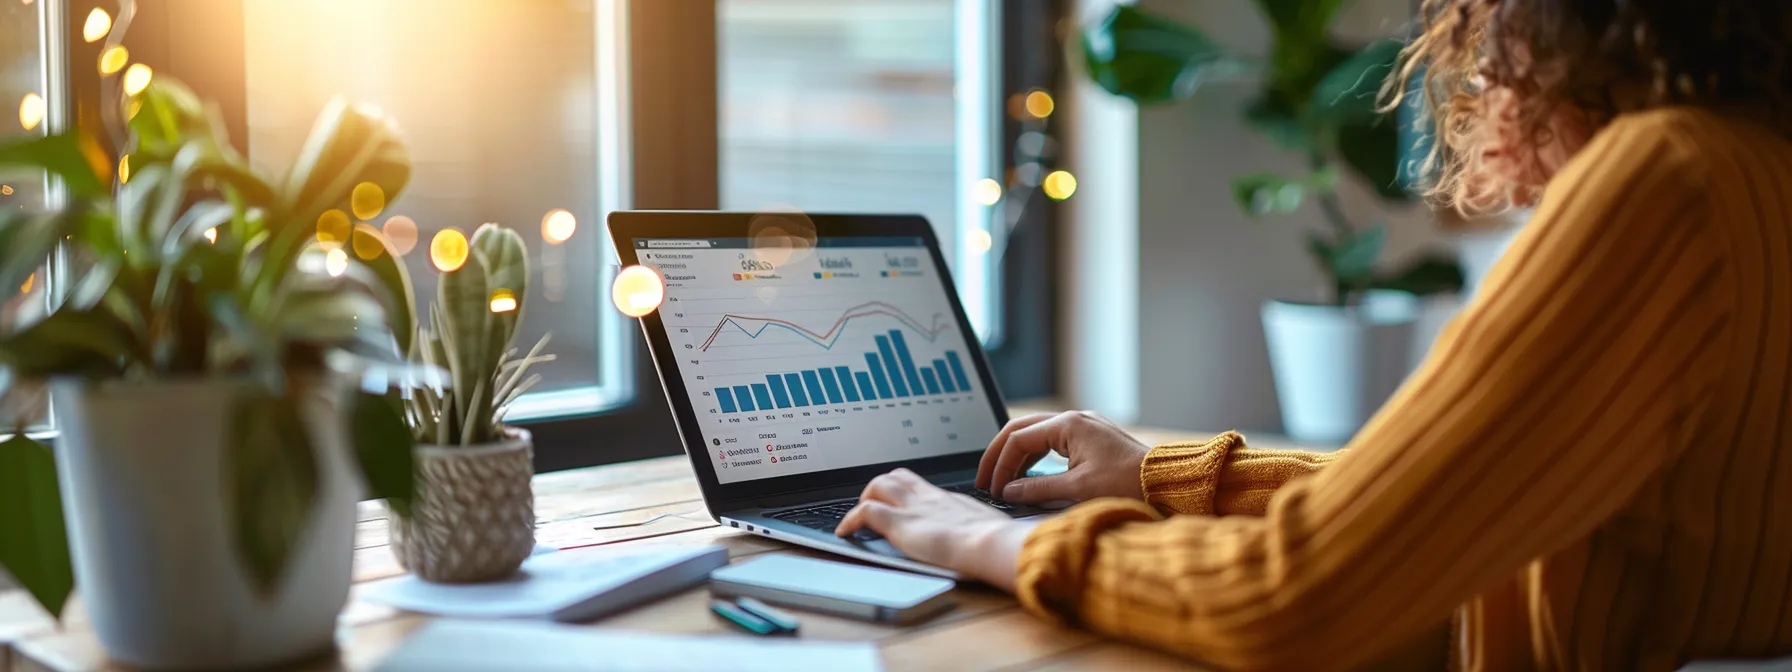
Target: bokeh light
[[981, 241], [558, 226], [401, 232], [503, 301], [638, 290], [30, 281], [367, 200], [333, 228], [336, 263], [114, 59], [987, 191], [136, 78], [211, 235], [132, 108], [5, 190], [448, 250], [98, 24], [1040, 104], [367, 243], [1059, 185], [124, 169], [31, 111]]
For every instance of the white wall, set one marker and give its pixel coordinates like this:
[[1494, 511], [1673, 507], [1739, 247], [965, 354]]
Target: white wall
[[1197, 270]]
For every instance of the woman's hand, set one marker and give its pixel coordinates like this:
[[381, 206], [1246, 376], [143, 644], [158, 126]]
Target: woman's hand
[[940, 528], [1104, 459]]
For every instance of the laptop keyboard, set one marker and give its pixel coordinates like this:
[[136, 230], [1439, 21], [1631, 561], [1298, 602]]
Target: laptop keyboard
[[826, 516]]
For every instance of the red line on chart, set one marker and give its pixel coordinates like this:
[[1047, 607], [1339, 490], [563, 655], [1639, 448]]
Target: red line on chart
[[826, 340]]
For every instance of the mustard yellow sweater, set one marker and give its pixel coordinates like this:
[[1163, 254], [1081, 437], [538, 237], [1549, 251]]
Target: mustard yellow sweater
[[1588, 472]]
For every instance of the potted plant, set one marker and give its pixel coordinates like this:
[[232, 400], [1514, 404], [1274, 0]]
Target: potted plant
[[202, 378], [1338, 358], [473, 518]]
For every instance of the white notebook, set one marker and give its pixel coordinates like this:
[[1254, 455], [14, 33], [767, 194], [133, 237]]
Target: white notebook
[[455, 645], [568, 586]]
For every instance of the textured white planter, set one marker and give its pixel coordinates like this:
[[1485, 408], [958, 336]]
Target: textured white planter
[[1335, 366], [143, 488], [473, 518]]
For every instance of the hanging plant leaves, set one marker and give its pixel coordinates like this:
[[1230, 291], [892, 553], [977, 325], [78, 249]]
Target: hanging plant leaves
[[1435, 274], [271, 481], [33, 538], [1373, 150], [1348, 94], [1151, 59], [60, 155]]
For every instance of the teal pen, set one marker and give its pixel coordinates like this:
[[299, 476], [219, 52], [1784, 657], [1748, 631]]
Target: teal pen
[[743, 619], [777, 617]]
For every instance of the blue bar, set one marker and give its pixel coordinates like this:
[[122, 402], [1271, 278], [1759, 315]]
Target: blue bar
[[762, 396], [933, 383], [883, 346], [797, 397], [958, 371], [908, 363], [744, 395], [815, 392], [833, 388], [851, 390], [725, 397], [865, 384], [877, 374], [939, 369], [778, 393]]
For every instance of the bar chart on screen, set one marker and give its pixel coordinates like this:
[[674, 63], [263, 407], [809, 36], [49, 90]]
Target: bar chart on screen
[[823, 361]]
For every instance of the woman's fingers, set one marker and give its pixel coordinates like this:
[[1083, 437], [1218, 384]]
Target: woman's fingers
[[869, 513], [987, 466], [1023, 448], [1036, 489]]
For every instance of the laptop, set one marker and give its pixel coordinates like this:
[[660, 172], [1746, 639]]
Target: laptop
[[805, 354]]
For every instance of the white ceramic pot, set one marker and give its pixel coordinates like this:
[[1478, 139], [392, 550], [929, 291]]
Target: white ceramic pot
[[473, 518], [141, 469], [1334, 366]]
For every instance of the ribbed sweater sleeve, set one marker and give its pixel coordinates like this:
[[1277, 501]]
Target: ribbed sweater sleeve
[[1222, 476], [1580, 369]]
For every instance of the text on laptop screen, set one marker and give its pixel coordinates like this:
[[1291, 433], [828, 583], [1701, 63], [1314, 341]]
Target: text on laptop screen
[[804, 359]]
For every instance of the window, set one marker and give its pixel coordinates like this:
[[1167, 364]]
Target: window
[[497, 102], [24, 88], [514, 110], [864, 106]]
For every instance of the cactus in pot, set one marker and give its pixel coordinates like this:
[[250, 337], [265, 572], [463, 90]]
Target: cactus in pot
[[473, 515]]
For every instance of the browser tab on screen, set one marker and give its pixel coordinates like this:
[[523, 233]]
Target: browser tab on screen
[[677, 243]]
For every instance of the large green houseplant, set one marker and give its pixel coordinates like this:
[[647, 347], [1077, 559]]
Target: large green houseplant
[[203, 365], [1334, 360]]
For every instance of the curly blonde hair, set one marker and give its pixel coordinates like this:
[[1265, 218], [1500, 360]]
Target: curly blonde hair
[[1506, 79]]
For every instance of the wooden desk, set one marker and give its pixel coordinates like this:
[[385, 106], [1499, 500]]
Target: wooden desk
[[988, 630]]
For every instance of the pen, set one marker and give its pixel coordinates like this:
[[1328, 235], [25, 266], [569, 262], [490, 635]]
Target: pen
[[777, 617], [744, 619]]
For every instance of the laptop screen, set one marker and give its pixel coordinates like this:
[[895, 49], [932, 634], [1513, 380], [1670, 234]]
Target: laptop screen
[[827, 354]]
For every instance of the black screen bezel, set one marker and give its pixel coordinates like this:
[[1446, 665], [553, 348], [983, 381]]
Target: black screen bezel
[[626, 226]]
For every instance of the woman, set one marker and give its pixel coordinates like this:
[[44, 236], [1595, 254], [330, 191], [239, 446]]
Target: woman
[[1586, 473]]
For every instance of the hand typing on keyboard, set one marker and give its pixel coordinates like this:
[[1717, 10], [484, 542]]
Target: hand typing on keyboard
[[953, 530]]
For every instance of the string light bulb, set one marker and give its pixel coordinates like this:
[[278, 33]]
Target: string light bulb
[[136, 78], [448, 250], [503, 301], [1040, 104], [336, 263], [558, 226], [98, 24], [1059, 185], [114, 59], [31, 111], [986, 191]]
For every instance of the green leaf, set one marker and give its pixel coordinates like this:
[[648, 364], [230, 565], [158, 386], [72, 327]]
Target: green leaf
[[33, 535], [383, 445], [68, 342], [170, 113], [1373, 151], [1260, 194], [270, 480], [60, 155], [1148, 58], [1300, 19], [26, 241], [1279, 123], [1348, 94], [1353, 261], [394, 288], [348, 145], [1431, 274]]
